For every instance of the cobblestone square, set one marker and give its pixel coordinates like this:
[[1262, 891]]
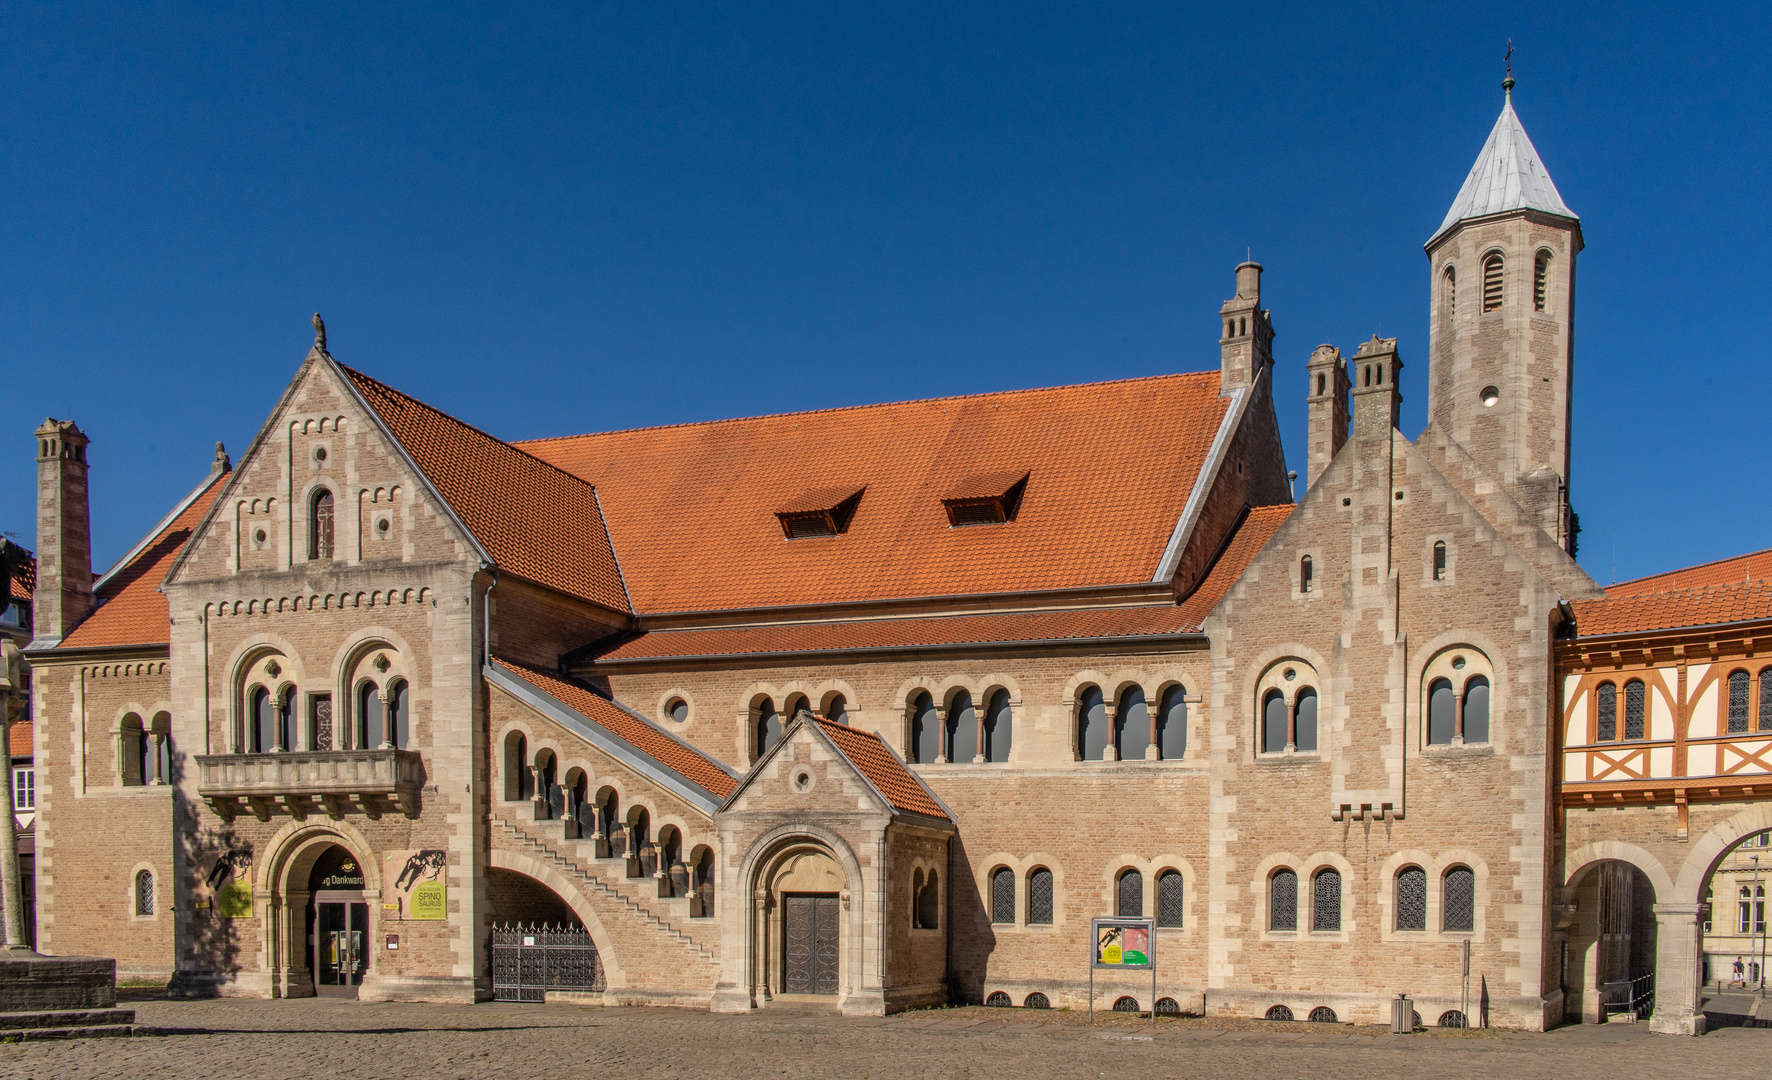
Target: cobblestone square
[[283, 1040]]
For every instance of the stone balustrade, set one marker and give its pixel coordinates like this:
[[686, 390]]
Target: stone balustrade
[[298, 781]]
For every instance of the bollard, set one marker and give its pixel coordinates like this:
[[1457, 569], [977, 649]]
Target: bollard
[[1402, 1015]]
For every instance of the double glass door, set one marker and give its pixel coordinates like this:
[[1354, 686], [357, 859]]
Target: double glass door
[[341, 946]]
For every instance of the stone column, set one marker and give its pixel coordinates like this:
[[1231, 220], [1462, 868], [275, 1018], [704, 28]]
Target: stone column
[[1678, 946], [1111, 710], [941, 732], [1153, 752], [387, 720], [158, 741]]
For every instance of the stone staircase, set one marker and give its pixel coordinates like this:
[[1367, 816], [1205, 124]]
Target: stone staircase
[[594, 884], [67, 1024]]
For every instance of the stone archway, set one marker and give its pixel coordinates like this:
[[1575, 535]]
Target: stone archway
[[793, 863], [283, 911], [1681, 940]]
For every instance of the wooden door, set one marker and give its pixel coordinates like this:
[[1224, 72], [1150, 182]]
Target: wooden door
[[810, 943]]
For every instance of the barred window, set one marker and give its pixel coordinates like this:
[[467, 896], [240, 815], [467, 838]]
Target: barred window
[[1040, 897], [1633, 709], [1492, 282], [1282, 913], [1003, 895], [1131, 904], [1326, 906], [1461, 900], [144, 892], [1766, 699], [320, 526], [1607, 697], [1412, 898], [1169, 904], [1738, 687]]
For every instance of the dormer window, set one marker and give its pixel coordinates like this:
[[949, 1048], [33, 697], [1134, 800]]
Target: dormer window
[[820, 512], [986, 499]]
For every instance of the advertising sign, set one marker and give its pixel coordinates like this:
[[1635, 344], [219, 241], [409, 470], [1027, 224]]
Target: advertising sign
[[1124, 943], [225, 887], [412, 887]]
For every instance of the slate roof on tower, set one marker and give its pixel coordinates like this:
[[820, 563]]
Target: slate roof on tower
[[1508, 175]]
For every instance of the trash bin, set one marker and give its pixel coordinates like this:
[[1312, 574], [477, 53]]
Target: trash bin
[[1402, 1015]]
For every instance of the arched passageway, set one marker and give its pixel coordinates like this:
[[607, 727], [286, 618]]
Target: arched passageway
[[1610, 963], [538, 946]]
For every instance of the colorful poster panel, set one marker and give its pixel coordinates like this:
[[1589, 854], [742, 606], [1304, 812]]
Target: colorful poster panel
[[224, 886], [412, 887]]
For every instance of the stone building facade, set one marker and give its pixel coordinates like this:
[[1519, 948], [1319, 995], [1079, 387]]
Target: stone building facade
[[880, 706]]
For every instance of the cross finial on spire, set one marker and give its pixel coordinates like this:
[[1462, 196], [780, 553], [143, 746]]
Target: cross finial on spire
[[1507, 84]]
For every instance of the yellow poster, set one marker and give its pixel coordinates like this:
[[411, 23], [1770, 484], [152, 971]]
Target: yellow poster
[[428, 902], [225, 889], [412, 885]]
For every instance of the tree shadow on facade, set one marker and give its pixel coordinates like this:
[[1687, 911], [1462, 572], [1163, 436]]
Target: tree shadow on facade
[[208, 944]]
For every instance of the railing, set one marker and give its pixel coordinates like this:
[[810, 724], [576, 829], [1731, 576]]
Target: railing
[[528, 961], [295, 781]]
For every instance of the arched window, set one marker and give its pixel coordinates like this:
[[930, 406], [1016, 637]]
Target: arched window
[[1765, 699], [525, 777], [320, 526], [1606, 705], [999, 727], [1092, 724], [796, 704], [1492, 282], [1169, 898], [929, 903], [768, 726], [1230, 328], [1738, 701], [144, 892], [1273, 722], [836, 710], [1172, 724], [1132, 724], [400, 714], [1441, 707], [925, 731], [1322, 382], [1003, 895], [1282, 901], [703, 883], [1439, 560], [370, 733], [1130, 903], [1633, 709], [1040, 897], [962, 728], [1305, 721], [642, 855], [1449, 291], [1459, 912], [553, 800], [677, 710], [1305, 573], [1326, 901], [264, 721], [1243, 326], [1412, 898], [132, 750], [1476, 709], [1540, 278]]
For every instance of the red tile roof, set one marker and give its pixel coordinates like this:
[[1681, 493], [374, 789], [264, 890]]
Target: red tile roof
[[1753, 566], [1743, 601], [874, 760], [24, 583], [692, 508], [131, 609], [673, 753], [1070, 624], [536, 521], [19, 740]]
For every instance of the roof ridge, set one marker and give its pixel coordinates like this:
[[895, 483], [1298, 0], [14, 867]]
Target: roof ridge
[[870, 405], [1746, 583], [1689, 569]]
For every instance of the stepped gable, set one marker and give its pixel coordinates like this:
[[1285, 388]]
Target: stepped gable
[[1069, 626], [536, 521], [675, 754], [701, 512], [129, 608], [872, 758]]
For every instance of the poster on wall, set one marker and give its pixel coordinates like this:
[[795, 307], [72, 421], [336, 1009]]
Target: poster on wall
[[1123, 943], [224, 888], [412, 886]]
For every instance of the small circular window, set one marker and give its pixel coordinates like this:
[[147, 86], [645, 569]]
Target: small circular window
[[678, 710], [1291, 674], [258, 537], [1490, 396], [320, 454], [382, 525], [803, 781], [1458, 663]]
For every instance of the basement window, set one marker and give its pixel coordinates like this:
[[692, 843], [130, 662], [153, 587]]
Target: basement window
[[820, 512], [985, 499]]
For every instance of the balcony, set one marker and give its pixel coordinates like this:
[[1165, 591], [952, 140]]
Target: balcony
[[299, 782]]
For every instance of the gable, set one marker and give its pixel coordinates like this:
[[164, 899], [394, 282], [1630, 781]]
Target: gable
[[821, 765]]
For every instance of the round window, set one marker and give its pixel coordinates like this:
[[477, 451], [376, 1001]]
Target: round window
[[258, 537], [803, 781], [1291, 674], [320, 454], [382, 525], [1490, 396], [1458, 663]]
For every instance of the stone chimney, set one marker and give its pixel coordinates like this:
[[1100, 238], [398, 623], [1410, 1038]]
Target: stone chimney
[[1247, 346], [1326, 403], [64, 533], [1374, 370]]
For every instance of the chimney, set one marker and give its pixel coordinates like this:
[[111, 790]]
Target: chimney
[[1373, 370], [1326, 403], [64, 534], [1247, 345]]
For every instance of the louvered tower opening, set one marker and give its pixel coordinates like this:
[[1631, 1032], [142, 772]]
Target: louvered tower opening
[[1492, 283], [1540, 274]]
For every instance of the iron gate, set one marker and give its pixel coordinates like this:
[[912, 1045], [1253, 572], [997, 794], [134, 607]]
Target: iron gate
[[528, 961]]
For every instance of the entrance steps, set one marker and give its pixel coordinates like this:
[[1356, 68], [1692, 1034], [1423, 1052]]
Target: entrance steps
[[67, 1024], [593, 883]]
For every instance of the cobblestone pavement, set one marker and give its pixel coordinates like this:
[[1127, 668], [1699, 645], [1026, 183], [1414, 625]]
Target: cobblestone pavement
[[250, 1040]]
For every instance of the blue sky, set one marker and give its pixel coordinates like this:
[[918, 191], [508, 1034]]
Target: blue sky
[[555, 220]]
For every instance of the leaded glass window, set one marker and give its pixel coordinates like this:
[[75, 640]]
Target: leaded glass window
[[144, 893], [1169, 898], [1441, 707], [1131, 903], [1607, 697], [1737, 701], [1461, 899], [1326, 901], [1766, 699], [1412, 899], [1282, 913], [1040, 897], [1633, 709], [1003, 895]]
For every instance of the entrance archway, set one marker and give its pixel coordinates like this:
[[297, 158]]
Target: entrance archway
[[337, 923], [302, 863], [1612, 943], [805, 933]]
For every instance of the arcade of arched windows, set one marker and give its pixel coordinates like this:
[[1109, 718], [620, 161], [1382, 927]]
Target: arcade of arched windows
[[1143, 717], [368, 704], [1028, 893]]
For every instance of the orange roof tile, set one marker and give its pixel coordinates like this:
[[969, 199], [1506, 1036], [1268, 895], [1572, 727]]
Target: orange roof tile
[[24, 584], [673, 753], [19, 740], [131, 609], [1750, 567], [536, 521], [692, 508], [1742, 601], [1253, 533], [874, 760]]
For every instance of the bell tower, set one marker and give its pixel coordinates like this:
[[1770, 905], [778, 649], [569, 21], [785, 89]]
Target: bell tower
[[1501, 331]]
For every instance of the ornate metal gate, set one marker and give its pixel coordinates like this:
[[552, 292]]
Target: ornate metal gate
[[528, 961]]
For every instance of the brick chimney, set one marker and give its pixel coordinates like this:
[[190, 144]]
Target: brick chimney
[[64, 533]]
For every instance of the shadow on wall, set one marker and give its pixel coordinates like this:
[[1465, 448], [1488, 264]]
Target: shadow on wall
[[215, 897], [966, 907]]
